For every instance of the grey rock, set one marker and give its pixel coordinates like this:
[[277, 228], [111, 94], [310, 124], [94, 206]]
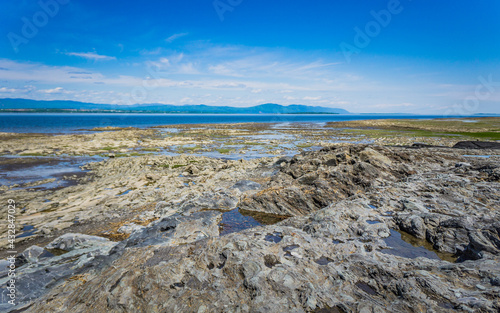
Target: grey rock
[[246, 185], [332, 253], [129, 228], [70, 241], [33, 253]]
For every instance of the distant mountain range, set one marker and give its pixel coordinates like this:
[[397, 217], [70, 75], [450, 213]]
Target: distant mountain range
[[28, 105]]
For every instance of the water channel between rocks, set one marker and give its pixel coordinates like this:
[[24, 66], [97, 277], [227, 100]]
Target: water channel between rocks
[[405, 245], [237, 220]]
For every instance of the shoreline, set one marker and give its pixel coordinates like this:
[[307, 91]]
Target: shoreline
[[51, 123]]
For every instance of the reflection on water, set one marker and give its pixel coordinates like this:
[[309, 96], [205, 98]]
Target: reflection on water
[[405, 245], [233, 221], [237, 220], [27, 171]]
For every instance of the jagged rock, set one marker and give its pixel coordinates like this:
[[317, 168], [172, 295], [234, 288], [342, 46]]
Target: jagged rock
[[335, 252], [69, 242], [43, 269], [34, 253]]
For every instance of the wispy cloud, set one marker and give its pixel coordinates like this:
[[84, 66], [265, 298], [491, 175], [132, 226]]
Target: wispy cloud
[[91, 56], [311, 98], [155, 51], [9, 90], [229, 75], [54, 90], [175, 36], [24, 90], [393, 105]]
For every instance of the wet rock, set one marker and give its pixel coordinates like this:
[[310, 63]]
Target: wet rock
[[495, 281], [33, 253], [42, 269], [477, 145]]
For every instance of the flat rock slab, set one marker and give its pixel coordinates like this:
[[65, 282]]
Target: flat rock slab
[[477, 145]]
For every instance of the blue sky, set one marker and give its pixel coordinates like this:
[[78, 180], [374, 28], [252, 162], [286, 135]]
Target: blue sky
[[419, 56]]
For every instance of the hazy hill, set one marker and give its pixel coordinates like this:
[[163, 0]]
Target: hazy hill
[[267, 108]]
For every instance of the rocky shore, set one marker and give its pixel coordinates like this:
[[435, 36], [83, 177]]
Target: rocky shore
[[348, 227]]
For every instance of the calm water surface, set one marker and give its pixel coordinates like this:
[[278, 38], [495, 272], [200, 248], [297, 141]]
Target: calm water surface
[[72, 122]]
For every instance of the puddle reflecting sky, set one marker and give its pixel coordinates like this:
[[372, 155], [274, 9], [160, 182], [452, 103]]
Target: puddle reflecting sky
[[28, 170], [233, 221], [405, 245]]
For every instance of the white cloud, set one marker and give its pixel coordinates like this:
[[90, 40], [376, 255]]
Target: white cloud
[[91, 56], [233, 75], [311, 98], [393, 105], [229, 85], [9, 90], [24, 90], [188, 68], [155, 51], [175, 36], [223, 70], [57, 90]]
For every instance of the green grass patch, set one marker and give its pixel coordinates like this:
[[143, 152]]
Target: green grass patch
[[250, 143], [481, 135], [189, 149], [224, 150], [218, 136], [178, 165], [305, 145], [197, 147], [376, 133], [33, 154]]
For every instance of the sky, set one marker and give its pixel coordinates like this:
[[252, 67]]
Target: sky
[[407, 56]]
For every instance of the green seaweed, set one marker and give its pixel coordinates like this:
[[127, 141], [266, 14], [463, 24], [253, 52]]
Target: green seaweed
[[33, 154]]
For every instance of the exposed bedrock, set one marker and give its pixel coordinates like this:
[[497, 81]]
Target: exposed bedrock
[[333, 258], [342, 249]]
